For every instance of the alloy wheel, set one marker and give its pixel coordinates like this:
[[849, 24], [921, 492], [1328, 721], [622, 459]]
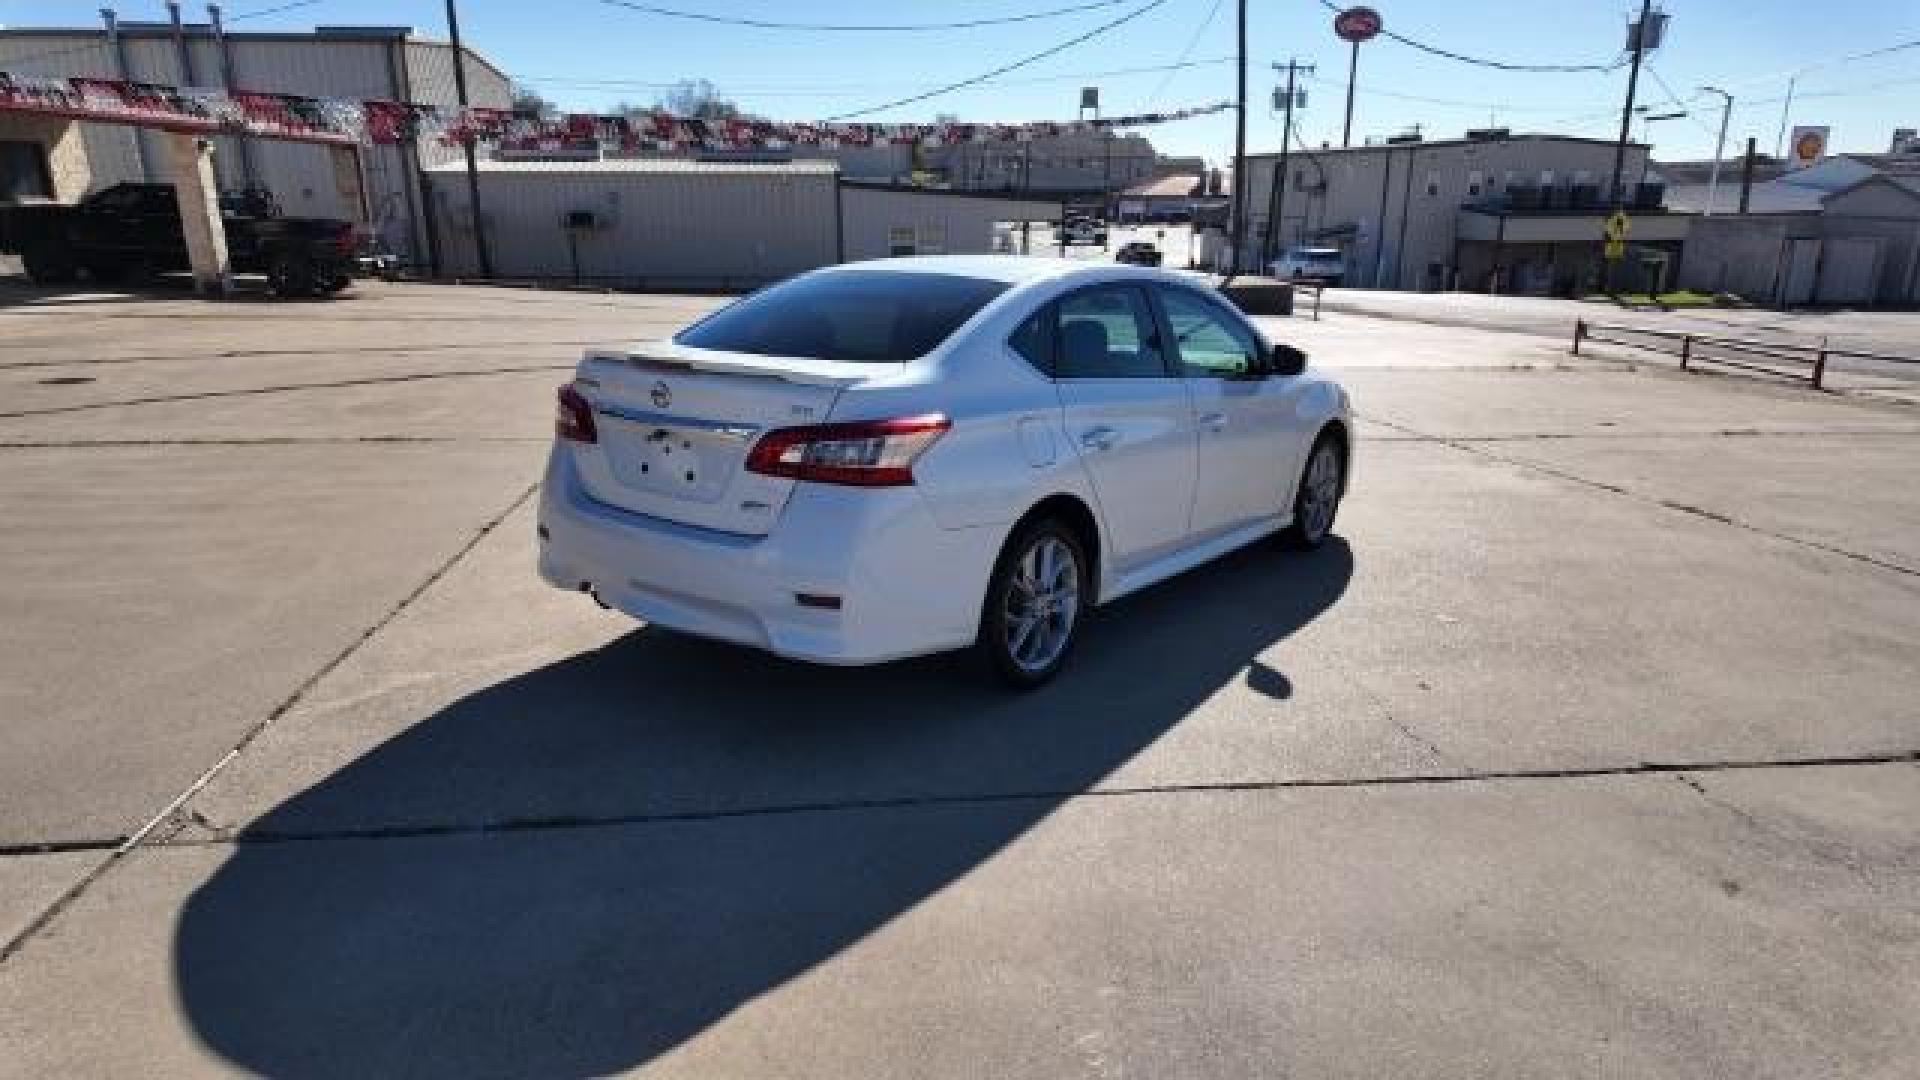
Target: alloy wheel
[[1042, 604]]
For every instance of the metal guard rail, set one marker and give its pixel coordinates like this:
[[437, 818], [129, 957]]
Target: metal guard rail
[[1816, 355]]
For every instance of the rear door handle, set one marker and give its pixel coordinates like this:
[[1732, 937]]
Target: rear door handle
[[1100, 438], [1213, 421]]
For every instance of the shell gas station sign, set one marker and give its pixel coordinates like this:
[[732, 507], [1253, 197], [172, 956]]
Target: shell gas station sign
[[1808, 146]]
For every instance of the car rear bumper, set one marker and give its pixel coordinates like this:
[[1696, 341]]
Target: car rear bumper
[[906, 586]]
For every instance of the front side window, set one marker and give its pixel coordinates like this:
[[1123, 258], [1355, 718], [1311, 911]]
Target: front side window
[[1107, 333], [1210, 344], [853, 316]]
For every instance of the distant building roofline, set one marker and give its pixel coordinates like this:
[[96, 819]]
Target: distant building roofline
[[200, 29], [1423, 144]]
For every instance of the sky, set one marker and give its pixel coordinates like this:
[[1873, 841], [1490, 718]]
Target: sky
[[587, 55]]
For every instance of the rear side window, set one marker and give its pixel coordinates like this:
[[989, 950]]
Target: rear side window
[[1034, 340], [1108, 333], [853, 316]]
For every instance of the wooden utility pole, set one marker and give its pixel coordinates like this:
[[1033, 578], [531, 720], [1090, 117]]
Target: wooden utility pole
[[1619, 200], [1240, 151], [1746, 176], [1277, 198], [1626, 109], [473, 165]]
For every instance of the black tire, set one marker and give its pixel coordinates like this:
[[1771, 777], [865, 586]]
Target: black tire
[[1312, 523], [291, 276], [338, 283], [1007, 597], [49, 266]]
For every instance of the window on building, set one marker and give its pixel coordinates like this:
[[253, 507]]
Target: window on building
[[1433, 183], [1476, 182], [933, 240], [1299, 179], [900, 240]]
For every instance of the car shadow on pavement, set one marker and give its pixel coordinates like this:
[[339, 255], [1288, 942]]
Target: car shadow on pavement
[[581, 868]]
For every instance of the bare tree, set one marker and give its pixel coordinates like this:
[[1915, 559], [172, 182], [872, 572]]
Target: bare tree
[[700, 99], [528, 102]]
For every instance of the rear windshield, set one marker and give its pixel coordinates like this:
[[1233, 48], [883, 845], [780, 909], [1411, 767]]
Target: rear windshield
[[857, 316]]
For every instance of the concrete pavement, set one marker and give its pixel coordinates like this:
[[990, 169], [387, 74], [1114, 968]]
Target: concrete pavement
[[1588, 748]]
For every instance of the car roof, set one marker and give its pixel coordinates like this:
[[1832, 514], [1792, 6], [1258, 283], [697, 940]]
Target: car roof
[[1011, 269]]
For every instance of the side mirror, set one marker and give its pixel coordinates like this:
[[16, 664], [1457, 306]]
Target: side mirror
[[1287, 361]]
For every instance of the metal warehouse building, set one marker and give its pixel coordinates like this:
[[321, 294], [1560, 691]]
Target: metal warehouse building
[[1496, 210], [381, 62], [664, 223]]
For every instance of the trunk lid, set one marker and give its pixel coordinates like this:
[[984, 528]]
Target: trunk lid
[[675, 425]]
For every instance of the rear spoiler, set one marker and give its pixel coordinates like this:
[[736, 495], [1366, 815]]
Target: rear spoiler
[[804, 371]]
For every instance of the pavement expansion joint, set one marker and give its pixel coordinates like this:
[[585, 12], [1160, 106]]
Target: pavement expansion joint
[[169, 821], [1469, 447], [261, 391]]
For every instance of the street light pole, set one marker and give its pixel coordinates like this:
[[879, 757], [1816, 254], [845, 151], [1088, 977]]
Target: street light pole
[[1719, 145], [1786, 108]]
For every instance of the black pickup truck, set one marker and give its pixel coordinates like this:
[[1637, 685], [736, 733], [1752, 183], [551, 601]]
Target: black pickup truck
[[134, 229]]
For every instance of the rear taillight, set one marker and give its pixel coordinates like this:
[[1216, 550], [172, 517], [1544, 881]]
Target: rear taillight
[[346, 241], [575, 418], [873, 453]]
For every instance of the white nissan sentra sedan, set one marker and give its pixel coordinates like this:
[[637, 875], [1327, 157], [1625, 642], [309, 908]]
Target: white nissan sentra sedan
[[890, 458]]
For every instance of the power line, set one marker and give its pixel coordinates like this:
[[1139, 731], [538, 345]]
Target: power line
[[768, 24], [1883, 50], [833, 89], [1004, 68], [263, 12], [1681, 105], [1174, 68], [1498, 65], [1852, 91], [1481, 106]]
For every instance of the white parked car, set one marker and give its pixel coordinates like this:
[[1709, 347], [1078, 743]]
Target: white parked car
[[1323, 264], [891, 458]]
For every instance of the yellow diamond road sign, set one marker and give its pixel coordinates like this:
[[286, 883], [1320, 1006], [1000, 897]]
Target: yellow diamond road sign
[[1617, 227]]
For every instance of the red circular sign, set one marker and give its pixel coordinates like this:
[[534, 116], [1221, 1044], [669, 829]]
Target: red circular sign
[[1357, 24]]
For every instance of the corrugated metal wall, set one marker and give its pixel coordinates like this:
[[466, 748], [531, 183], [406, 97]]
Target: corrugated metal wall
[[964, 224], [300, 175], [692, 227], [430, 66]]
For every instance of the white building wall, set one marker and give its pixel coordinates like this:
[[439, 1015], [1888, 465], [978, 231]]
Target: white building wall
[[1371, 190], [687, 224], [952, 224]]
